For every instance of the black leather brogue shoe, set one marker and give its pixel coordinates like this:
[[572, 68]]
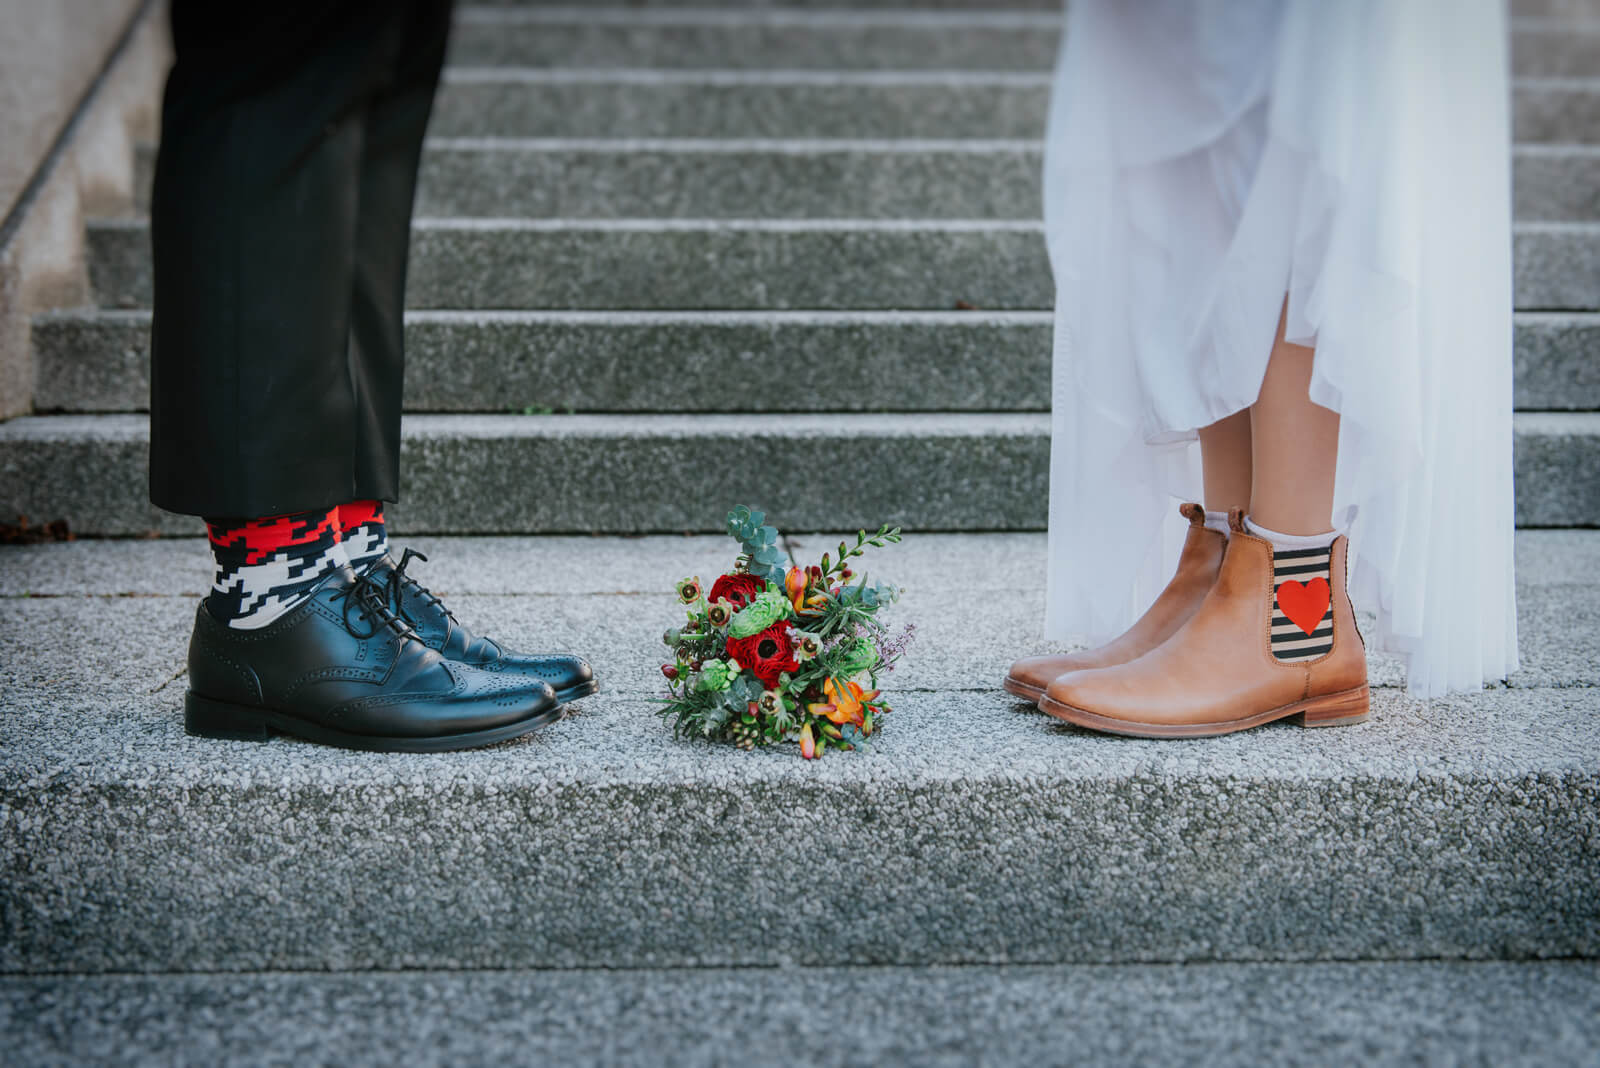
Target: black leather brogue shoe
[[570, 676], [343, 669]]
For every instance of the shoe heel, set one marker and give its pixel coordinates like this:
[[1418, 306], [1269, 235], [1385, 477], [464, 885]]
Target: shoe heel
[[218, 719], [1337, 710]]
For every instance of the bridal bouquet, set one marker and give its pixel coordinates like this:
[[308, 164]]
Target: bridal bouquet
[[777, 653]]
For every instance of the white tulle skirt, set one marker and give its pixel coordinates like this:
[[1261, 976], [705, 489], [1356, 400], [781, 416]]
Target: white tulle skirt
[[1208, 160]]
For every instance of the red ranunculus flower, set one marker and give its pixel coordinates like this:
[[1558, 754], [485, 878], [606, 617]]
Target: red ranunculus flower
[[766, 655], [740, 589]]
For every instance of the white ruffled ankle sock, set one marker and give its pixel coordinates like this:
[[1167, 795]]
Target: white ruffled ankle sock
[[1302, 610], [1217, 521]]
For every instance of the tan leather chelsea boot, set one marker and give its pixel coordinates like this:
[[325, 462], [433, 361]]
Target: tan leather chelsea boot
[[1218, 673], [1197, 571]]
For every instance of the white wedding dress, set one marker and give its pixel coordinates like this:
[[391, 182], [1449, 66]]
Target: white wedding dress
[[1208, 158]]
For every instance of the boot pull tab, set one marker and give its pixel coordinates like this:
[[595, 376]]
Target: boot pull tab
[[1195, 514], [1236, 520]]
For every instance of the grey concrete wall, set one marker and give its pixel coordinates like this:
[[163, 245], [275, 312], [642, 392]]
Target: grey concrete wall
[[50, 53], [50, 50]]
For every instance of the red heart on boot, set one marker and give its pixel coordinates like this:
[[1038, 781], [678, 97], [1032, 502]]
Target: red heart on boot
[[1305, 603]]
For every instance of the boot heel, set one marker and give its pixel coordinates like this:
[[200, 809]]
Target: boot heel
[[218, 719], [1337, 710]]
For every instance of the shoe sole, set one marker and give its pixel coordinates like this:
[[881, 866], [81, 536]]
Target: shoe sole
[[1330, 710], [205, 717], [1018, 688], [572, 693]]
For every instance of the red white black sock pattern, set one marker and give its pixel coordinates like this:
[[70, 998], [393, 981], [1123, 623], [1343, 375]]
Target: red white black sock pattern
[[265, 567], [362, 530]]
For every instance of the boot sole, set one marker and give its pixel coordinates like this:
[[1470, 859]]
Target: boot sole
[[1018, 688], [572, 693], [1330, 710], [205, 717]]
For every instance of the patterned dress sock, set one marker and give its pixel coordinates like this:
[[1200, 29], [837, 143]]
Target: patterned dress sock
[[1302, 607], [1217, 521], [361, 526], [265, 567]]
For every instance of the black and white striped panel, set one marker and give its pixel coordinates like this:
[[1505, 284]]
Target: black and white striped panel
[[1302, 609]]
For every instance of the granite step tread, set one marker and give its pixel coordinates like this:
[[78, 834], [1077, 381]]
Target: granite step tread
[[539, 102], [95, 360], [765, 38], [727, 264], [470, 474], [1462, 828], [1377, 1014]]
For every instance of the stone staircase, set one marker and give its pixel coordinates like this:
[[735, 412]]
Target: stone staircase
[[706, 239], [761, 273]]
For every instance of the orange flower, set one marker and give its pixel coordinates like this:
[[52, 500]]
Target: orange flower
[[846, 702], [808, 742], [794, 584]]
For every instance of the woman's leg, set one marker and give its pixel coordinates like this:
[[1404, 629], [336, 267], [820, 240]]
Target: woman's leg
[[1294, 445], [1226, 462]]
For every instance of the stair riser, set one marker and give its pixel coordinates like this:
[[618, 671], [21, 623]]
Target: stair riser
[[1557, 115], [1544, 1013], [749, 109], [652, 268], [1522, 8], [962, 362], [543, 476], [887, 42], [752, 109], [1582, 9], [1552, 185], [865, 267], [810, 43], [506, 180], [643, 183], [306, 875], [1541, 114]]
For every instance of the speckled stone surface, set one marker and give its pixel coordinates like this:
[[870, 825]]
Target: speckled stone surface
[[989, 833], [704, 178], [1544, 1014], [93, 360], [865, 40], [554, 102], [1556, 266], [1559, 183], [756, 39], [677, 264], [491, 474], [603, 264]]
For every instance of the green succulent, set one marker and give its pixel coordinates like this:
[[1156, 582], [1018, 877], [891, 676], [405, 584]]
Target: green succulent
[[861, 656], [768, 607], [717, 675]]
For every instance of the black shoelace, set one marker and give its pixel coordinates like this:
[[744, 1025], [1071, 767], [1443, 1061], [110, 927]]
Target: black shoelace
[[369, 597], [399, 580]]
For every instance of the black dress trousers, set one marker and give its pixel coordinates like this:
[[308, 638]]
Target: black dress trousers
[[291, 134]]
